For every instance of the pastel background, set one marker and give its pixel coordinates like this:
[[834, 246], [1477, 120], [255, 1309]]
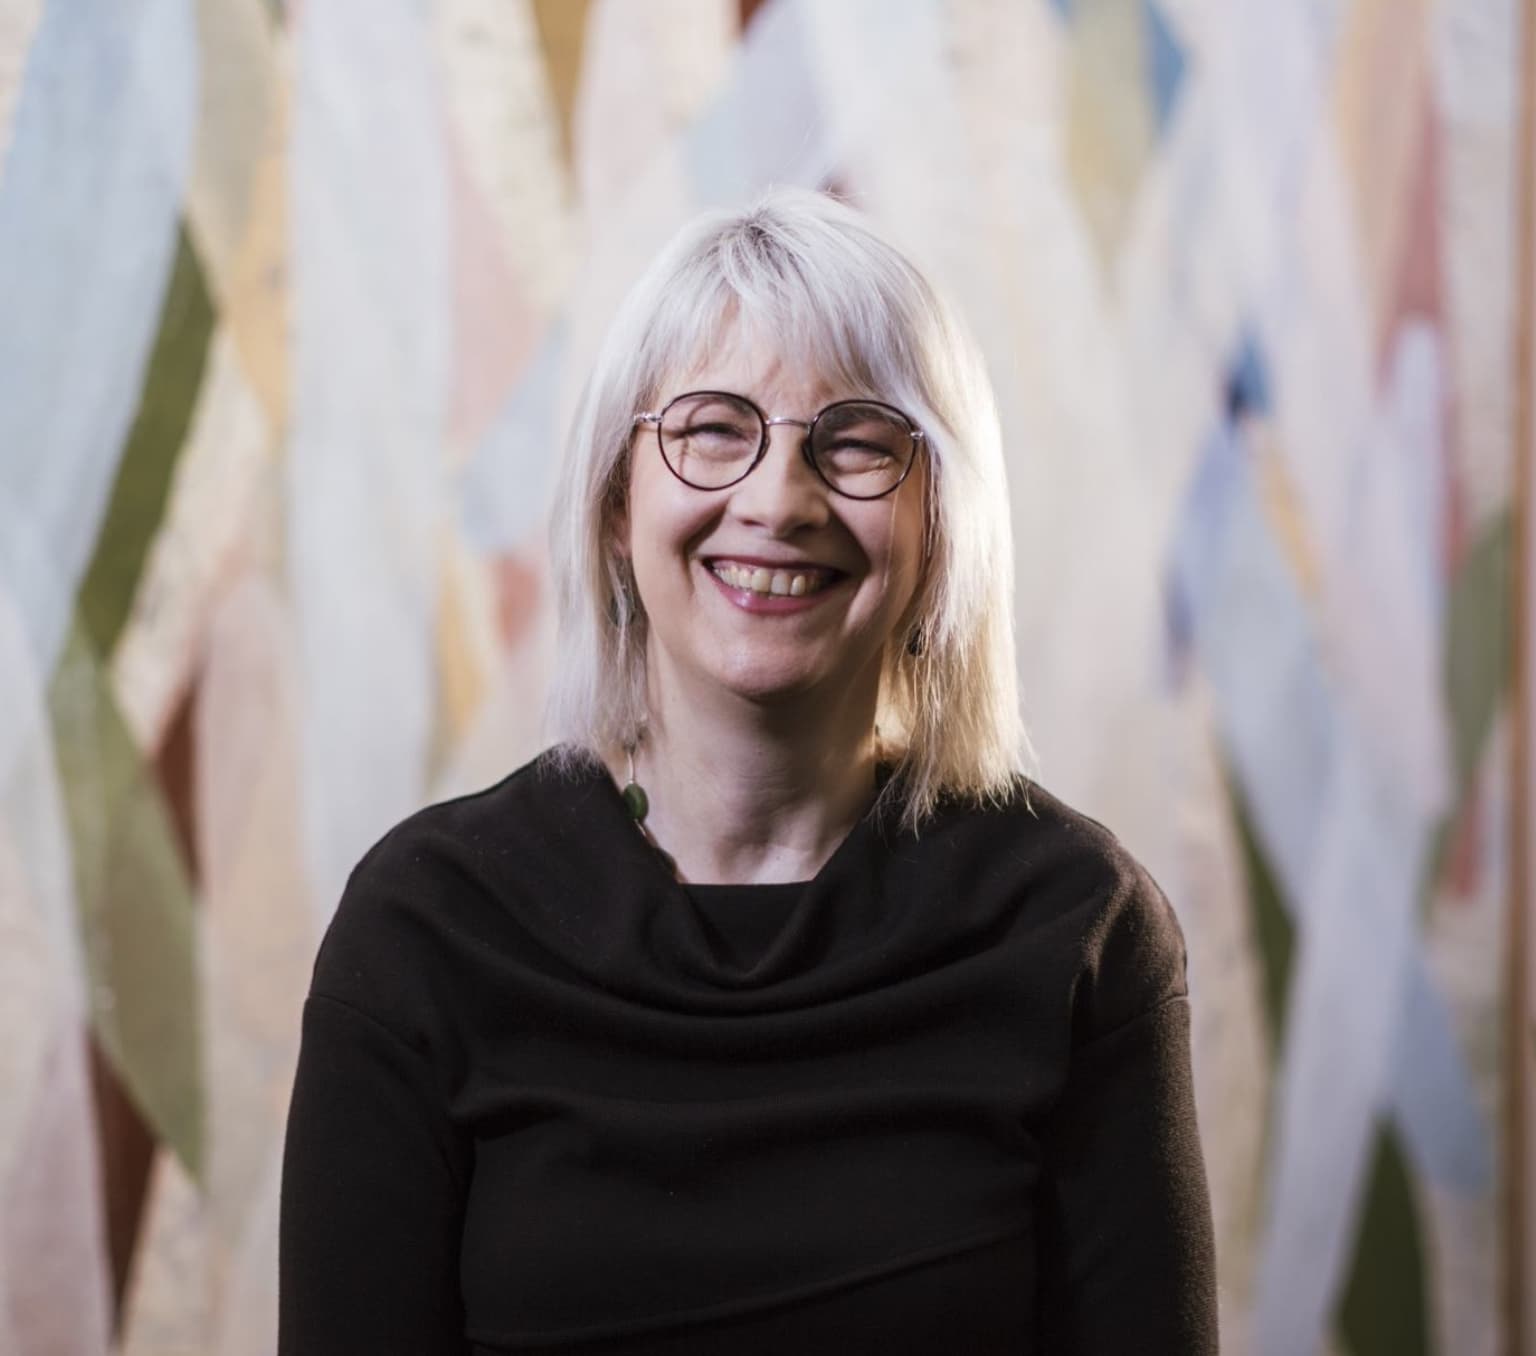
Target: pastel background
[[293, 301]]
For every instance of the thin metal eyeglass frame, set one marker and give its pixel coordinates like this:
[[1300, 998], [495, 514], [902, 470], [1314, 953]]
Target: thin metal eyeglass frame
[[656, 417]]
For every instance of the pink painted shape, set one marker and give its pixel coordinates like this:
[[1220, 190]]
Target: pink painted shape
[[1418, 294], [1464, 875], [52, 1224], [495, 328], [517, 598]]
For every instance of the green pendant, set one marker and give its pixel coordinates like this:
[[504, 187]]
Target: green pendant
[[636, 801]]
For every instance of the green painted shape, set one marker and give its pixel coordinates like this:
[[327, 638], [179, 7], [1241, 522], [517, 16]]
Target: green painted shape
[[1384, 1307], [1477, 643], [1274, 938], [143, 483], [1384, 1310], [135, 902], [1476, 673], [1273, 932]]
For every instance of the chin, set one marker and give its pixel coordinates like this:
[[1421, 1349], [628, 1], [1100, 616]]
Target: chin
[[767, 674], [768, 685]]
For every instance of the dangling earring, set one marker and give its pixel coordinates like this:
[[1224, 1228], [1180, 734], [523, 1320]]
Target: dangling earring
[[635, 800], [638, 805]]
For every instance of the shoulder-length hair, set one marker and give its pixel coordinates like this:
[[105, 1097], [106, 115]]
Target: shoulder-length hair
[[802, 263]]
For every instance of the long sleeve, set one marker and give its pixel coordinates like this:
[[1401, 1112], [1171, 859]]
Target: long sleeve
[[1126, 1247], [372, 1197]]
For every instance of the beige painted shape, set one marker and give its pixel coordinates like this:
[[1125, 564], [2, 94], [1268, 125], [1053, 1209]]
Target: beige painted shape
[[507, 728], [1109, 116], [622, 123], [235, 96], [1477, 83], [258, 934], [1009, 67], [467, 643], [562, 32], [1379, 87], [1283, 510], [18, 25], [1478, 254], [30, 996], [696, 43], [495, 328], [199, 543], [52, 1229], [167, 1305], [247, 1317], [38, 868], [502, 116], [255, 293], [1232, 1063]]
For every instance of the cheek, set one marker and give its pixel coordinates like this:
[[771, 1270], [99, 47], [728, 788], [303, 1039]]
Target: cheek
[[900, 546], [662, 524]]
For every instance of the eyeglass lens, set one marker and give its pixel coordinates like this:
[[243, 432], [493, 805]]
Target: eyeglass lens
[[711, 439]]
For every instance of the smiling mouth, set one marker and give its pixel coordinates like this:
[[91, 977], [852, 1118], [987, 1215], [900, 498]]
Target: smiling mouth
[[773, 583]]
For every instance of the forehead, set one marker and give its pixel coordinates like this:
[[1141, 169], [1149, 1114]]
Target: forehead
[[741, 359]]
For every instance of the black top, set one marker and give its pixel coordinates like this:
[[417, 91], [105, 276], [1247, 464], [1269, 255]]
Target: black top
[[936, 1099]]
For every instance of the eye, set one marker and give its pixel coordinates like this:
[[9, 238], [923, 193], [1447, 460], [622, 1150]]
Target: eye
[[715, 431], [862, 448], [871, 446]]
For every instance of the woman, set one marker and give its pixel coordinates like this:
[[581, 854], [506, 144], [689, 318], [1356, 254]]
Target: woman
[[839, 1035]]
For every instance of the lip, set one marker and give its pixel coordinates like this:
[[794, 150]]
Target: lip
[[769, 563], [771, 604]]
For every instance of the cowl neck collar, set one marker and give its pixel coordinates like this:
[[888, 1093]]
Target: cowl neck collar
[[621, 915]]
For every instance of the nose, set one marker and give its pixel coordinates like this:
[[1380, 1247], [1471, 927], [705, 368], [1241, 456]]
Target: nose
[[783, 491]]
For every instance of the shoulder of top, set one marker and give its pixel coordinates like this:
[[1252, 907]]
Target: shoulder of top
[[1028, 811], [1051, 842], [1130, 942], [485, 816]]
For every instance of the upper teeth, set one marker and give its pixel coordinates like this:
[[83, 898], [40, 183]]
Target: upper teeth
[[760, 580]]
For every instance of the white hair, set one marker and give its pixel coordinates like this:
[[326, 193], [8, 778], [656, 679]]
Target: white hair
[[803, 263]]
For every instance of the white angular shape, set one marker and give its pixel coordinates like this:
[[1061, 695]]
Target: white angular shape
[[93, 122], [371, 328]]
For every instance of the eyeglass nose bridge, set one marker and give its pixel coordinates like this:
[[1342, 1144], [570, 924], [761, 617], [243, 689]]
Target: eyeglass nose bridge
[[805, 445]]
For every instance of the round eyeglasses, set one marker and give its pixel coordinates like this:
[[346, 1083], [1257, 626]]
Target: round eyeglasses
[[861, 449]]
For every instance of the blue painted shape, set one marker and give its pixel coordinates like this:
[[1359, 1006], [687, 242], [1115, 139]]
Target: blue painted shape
[[89, 209], [767, 126], [1433, 1098], [1064, 8], [1165, 62], [506, 487], [1248, 386], [1238, 606], [1367, 1033]]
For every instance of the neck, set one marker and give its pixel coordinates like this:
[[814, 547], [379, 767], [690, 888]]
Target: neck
[[742, 792]]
